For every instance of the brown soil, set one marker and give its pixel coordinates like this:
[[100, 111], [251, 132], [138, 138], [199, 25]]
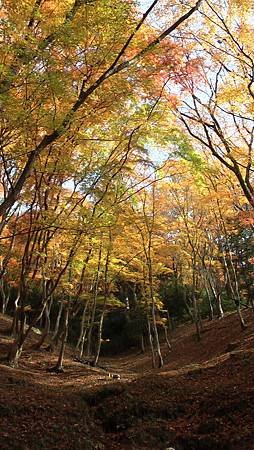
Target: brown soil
[[200, 400]]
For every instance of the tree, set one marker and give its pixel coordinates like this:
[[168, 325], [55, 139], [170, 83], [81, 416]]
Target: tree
[[53, 65], [217, 109]]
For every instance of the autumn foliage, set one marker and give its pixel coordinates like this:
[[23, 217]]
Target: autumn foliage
[[126, 169]]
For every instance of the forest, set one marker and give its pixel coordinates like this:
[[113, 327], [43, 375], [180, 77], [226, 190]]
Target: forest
[[126, 185]]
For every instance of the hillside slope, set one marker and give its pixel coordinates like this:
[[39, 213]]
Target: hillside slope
[[201, 399]]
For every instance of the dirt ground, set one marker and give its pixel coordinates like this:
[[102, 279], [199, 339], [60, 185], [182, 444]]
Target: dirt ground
[[200, 400]]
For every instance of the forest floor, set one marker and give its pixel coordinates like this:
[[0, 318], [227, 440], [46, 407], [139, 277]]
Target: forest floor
[[202, 398]]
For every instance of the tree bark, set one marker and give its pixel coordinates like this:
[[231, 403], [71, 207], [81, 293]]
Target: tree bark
[[151, 341], [17, 346], [45, 332], [58, 368]]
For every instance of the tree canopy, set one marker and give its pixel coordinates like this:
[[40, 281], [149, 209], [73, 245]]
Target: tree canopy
[[126, 166]]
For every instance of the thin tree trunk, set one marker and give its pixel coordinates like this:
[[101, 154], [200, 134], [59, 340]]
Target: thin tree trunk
[[82, 326], [151, 341], [217, 297], [211, 312], [219, 305], [82, 343], [46, 329], [166, 337], [3, 296], [59, 365], [90, 328], [17, 346], [234, 293], [59, 315], [147, 246], [234, 289], [196, 317], [188, 310], [106, 295], [14, 326], [142, 343], [99, 338], [96, 287], [57, 332], [157, 342]]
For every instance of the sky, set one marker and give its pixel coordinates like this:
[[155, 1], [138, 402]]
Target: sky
[[144, 4]]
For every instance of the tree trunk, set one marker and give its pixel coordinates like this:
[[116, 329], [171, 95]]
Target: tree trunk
[[82, 326], [57, 331], [158, 348], [90, 329], [46, 329], [99, 338], [196, 317], [234, 292], [92, 319], [15, 320], [219, 305], [17, 346], [166, 337], [59, 365], [5, 296], [239, 312], [151, 342], [82, 343], [142, 343], [211, 312]]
